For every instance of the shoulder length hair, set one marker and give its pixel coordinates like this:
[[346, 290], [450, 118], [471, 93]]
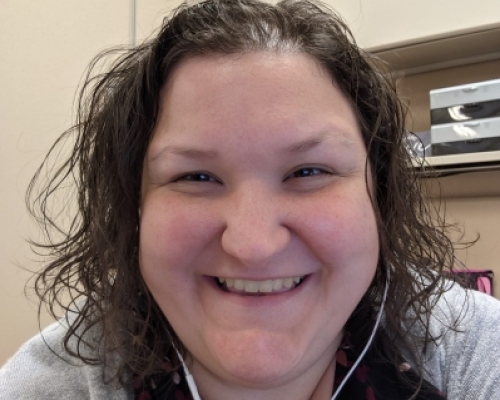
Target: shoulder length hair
[[94, 258]]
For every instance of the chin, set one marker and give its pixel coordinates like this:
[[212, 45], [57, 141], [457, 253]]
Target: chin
[[257, 359]]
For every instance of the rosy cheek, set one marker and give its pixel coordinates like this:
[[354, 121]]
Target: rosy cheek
[[345, 226], [172, 238]]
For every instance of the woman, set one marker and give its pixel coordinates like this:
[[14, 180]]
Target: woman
[[248, 229]]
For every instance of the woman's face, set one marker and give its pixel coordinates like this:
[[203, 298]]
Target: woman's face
[[257, 235]]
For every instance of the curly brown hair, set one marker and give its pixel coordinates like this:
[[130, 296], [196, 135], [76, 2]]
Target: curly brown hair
[[95, 257]]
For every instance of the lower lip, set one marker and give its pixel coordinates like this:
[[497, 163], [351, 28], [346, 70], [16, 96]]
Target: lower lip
[[261, 299]]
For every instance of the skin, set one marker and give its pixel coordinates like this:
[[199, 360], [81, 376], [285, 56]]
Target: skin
[[257, 170]]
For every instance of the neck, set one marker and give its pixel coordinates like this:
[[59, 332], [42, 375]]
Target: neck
[[324, 388]]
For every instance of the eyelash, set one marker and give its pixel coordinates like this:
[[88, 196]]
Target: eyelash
[[192, 177], [315, 171], [207, 178]]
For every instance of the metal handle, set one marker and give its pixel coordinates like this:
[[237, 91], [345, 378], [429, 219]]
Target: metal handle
[[472, 124]]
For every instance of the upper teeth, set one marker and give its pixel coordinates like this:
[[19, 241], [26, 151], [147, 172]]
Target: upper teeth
[[268, 286]]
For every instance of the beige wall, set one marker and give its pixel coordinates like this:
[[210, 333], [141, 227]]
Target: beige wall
[[45, 47], [385, 22], [479, 215], [472, 202]]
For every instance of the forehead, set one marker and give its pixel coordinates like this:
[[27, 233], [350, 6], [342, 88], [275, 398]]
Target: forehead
[[252, 96], [248, 75]]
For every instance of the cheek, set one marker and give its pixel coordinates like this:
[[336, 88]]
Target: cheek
[[342, 227], [171, 241], [349, 251], [342, 234]]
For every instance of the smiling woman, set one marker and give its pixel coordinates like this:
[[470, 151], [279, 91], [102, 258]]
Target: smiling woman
[[255, 216], [248, 229]]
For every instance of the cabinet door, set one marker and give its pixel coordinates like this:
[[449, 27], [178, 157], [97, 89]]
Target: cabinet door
[[378, 23]]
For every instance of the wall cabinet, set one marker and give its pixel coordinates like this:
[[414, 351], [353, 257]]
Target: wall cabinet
[[469, 199]]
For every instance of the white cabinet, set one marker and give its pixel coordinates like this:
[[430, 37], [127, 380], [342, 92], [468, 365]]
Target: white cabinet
[[383, 23]]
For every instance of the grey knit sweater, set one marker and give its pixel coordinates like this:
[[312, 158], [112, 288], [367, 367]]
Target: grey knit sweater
[[465, 365]]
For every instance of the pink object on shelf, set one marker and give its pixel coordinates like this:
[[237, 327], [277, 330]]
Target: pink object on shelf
[[477, 279]]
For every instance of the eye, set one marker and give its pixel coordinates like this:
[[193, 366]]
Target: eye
[[309, 178], [196, 177], [308, 172]]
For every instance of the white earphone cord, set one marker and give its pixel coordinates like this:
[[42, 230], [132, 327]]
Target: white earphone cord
[[189, 378], [194, 389], [368, 344]]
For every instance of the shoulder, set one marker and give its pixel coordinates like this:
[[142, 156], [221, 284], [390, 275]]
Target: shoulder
[[41, 369], [466, 359]]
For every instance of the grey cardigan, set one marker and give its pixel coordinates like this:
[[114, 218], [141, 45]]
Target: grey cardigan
[[465, 364]]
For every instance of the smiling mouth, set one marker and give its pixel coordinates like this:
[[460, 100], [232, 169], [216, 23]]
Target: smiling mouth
[[259, 288]]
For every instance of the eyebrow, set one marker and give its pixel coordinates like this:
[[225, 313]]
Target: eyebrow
[[187, 152], [310, 143], [302, 146]]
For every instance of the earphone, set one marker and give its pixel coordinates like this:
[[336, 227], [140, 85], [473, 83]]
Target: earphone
[[194, 389], [189, 378], [370, 340]]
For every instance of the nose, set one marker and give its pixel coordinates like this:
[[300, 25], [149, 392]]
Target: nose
[[254, 226]]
